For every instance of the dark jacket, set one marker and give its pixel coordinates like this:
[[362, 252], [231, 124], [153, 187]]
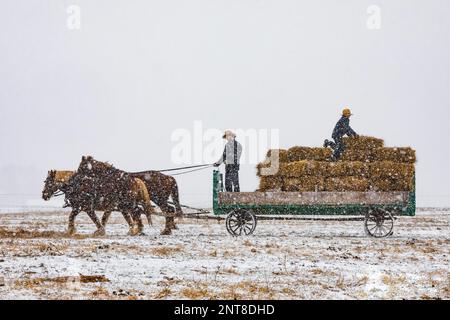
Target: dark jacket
[[231, 154], [343, 128]]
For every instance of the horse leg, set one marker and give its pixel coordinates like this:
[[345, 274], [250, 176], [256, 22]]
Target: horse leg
[[105, 218], [176, 200], [172, 224], [168, 227], [100, 229], [138, 221], [71, 228], [168, 211], [131, 224], [148, 210]]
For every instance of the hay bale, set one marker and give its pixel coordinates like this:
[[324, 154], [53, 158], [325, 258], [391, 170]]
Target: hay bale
[[270, 183], [391, 184], [264, 169], [391, 176], [271, 164], [406, 155], [356, 155], [348, 183], [362, 143], [299, 169], [389, 169], [282, 155], [348, 168], [303, 184], [307, 153]]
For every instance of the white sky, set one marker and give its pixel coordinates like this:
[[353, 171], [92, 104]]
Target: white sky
[[139, 70]]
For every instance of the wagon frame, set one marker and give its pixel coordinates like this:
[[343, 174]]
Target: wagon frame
[[377, 209]]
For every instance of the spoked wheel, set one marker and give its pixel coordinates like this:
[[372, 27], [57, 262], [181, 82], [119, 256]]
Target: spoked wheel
[[240, 222], [379, 224]]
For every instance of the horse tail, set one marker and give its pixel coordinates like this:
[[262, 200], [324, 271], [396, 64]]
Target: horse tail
[[176, 198], [144, 198]]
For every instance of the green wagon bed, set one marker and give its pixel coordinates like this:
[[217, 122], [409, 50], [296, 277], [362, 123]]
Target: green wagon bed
[[377, 209]]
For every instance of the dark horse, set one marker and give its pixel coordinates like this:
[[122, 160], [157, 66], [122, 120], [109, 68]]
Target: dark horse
[[105, 189], [160, 188]]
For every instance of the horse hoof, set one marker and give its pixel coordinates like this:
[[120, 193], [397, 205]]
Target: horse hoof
[[166, 232], [100, 232], [71, 231]]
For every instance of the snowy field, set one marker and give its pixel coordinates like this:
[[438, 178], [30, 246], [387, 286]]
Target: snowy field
[[282, 260]]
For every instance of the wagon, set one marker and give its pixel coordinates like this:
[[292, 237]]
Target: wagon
[[377, 210]]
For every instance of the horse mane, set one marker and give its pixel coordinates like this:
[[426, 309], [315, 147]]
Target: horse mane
[[97, 166], [63, 175]]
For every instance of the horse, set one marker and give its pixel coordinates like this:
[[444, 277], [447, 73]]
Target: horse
[[97, 183], [161, 187], [59, 181]]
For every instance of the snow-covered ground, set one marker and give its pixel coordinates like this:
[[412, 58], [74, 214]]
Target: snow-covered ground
[[282, 260]]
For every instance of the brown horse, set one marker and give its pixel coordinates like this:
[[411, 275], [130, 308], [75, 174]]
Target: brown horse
[[59, 181], [160, 188], [100, 182]]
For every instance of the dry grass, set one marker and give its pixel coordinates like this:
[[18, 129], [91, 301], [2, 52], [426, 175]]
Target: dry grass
[[166, 251], [20, 233], [195, 293], [164, 293], [316, 271], [33, 282]]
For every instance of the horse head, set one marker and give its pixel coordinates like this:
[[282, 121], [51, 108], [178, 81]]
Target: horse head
[[50, 185], [56, 180], [90, 166]]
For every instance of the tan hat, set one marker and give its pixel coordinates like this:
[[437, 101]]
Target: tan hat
[[228, 133], [346, 112]]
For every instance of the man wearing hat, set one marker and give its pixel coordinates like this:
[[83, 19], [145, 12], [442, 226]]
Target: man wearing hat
[[341, 129], [230, 157]]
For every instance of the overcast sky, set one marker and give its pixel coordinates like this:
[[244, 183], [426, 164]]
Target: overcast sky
[[137, 71]]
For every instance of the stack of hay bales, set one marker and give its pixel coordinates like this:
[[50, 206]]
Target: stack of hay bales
[[365, 165]]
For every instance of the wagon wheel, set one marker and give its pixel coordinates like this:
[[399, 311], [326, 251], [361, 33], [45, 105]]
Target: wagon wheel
[[240, 222], [379, 223]]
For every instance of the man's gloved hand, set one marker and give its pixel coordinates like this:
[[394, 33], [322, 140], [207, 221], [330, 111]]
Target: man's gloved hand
[[216, 164]]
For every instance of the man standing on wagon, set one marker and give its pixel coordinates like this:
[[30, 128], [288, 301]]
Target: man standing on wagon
[[341, 129], [230, 157]]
